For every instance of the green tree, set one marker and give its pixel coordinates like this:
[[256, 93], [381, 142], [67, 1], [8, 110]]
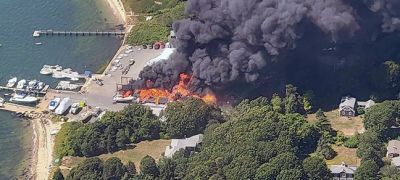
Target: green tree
[[292, 104], [368, 170], [307, 104], [167, 169], [380, 117], [277, 103], [149, 167], [90, 168], [58, 175], [320, 114], [113, 169], [189, 117], [130, 169], [316, 168], [121, 138], [389, 172]]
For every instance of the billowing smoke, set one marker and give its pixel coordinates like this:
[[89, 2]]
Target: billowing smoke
[[390, 11], [231, 41]]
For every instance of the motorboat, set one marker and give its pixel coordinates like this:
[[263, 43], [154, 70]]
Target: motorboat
[[23, 98], [64, 105], [58, 75], [54, 103], [21, 84], [1, 102], [11, 82], [121, 99], [32, 84], [40, 85], [75, 108], [38, 43], [46, 70]]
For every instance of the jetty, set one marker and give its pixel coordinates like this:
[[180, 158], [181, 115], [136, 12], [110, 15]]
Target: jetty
[[17, 108], [39, 33]]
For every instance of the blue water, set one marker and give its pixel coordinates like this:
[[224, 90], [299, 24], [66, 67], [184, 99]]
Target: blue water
[[12, 146], [20, 57]]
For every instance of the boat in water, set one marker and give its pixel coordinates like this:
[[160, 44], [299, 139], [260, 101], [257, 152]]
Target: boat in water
[[21, 84], [32, 84], [48, 69], [54, 103], [38, 43], [1, 102], [11, 82], [64, 105], [23, 98]]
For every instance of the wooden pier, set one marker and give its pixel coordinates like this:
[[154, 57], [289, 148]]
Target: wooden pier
[[39, 33]]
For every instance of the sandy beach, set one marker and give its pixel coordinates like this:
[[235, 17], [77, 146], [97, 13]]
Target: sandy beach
[[118, 9]]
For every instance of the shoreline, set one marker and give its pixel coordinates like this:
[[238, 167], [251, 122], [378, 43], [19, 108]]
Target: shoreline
[[43, 142]]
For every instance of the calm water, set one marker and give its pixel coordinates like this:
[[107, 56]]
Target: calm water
[[20, 57], [12, 142]]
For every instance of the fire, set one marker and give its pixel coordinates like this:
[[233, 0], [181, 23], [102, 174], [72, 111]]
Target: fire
[[158, 95]]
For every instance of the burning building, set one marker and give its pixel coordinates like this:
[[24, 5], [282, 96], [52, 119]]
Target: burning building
[[225, 45]]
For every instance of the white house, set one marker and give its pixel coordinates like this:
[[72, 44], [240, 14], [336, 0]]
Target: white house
[[187, 143]]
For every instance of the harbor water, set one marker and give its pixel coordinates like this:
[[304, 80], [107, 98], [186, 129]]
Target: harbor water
[[21, 57]]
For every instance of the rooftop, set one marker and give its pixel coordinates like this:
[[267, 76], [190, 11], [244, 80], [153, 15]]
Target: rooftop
[[393, 147], [343, 168], [178, 144], [347, 102]]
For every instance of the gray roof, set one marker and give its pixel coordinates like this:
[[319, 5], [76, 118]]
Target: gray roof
[[393, 147], [348, 169], [396, 161], [347, 102], [178, 144], [366, 104]]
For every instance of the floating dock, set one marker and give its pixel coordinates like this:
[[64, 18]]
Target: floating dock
[[39, 33], [42, 92]]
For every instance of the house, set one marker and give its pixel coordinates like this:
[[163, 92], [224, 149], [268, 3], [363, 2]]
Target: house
[[343, 171], [393, 149], [366, 104], [188, 144], [347, 107], [396, 162]]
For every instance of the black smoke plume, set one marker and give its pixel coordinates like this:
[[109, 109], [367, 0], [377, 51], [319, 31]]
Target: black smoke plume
[[226, 42]]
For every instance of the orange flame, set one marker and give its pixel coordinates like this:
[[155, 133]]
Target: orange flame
[[180, 90]]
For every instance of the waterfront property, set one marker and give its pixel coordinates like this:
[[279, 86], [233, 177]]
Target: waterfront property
[[343, 171], [188, 144]]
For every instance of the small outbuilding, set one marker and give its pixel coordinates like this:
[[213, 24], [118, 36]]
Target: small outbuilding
[[365, 104]]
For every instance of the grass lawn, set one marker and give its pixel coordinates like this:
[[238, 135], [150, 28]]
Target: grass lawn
[[346, 125], [344, 154], [152, 148]]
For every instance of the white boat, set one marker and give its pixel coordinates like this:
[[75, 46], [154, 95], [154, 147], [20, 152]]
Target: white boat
[[21, 84], [74, 108], [121, 99], [11, 82], [23, 98], [64, 105], [46, 70], [86, 116], [32, 84], [1, 102], [40, 86], [54, 103], [38, 43], [66, 85], [58, 75]]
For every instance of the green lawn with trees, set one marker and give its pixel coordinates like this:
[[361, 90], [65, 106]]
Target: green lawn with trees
[[158, 28]]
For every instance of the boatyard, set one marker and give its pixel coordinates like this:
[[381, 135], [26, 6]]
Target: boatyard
[[98, 92]]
